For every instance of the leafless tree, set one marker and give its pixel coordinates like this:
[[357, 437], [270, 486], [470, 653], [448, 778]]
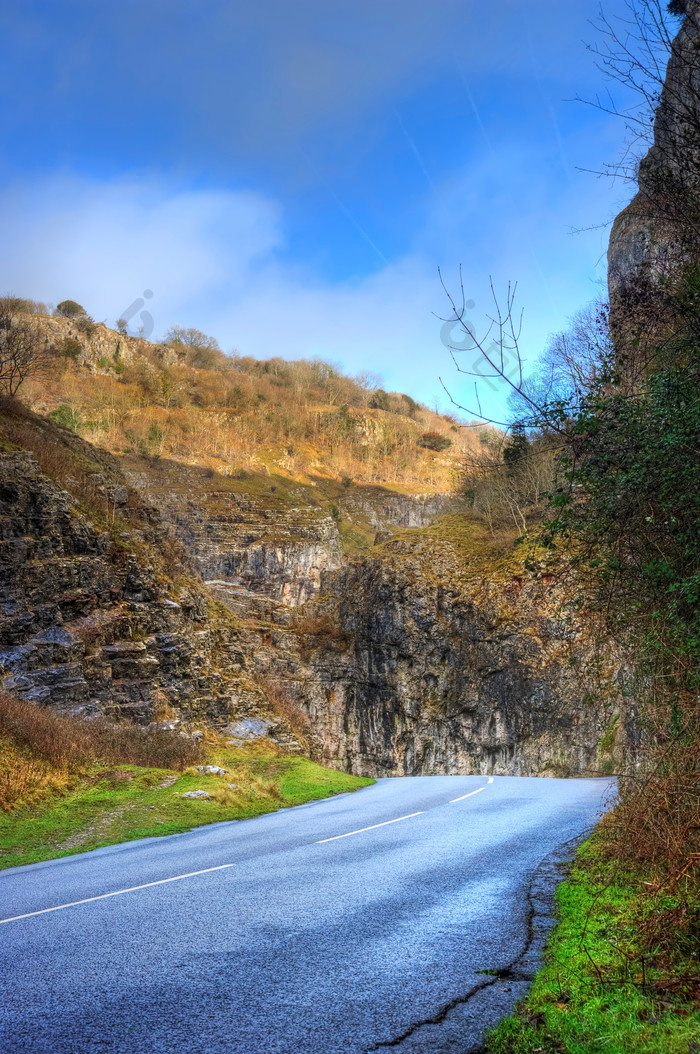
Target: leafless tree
[[22, 353], [496, 356]]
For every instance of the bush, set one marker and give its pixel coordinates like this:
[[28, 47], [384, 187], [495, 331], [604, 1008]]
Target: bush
[[434, 441], [71, 744], [85, 324], [19, 305], [70, 309], [70, 348], [68, 417]]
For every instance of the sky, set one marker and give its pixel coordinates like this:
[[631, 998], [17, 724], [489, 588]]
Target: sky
[[290, 177]]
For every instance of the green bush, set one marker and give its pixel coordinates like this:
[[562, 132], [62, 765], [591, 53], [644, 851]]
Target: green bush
[[70, 309], [68, 417]]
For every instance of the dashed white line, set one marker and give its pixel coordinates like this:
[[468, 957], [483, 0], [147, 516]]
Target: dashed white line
[[117, 893], [372, 828], [477, 791], [490, 779]]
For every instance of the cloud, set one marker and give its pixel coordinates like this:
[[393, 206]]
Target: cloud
[[104, 242], [216, 260]]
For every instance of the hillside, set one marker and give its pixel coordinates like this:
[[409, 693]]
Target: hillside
[[303, 420]]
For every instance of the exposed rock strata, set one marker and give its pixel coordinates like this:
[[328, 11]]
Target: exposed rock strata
[[89, 622], [406, 667], [659, 232], [430, 655]]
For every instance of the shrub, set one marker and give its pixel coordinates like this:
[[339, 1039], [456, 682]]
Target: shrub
[[68, 417], [286, 708], [19, 305], [70, 309], [71, 744], [70, 348], [85, 324], [434, 441]]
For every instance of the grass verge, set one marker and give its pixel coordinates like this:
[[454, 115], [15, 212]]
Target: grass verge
[[107, 804], [603, 987]]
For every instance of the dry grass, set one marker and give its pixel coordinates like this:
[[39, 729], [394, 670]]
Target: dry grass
[[69, 744], [286, 708], [302, 418], [251, 786], [25, 780]]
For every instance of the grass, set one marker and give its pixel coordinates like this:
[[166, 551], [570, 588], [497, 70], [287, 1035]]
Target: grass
[[66, 744], [109, 804], [602, 989]]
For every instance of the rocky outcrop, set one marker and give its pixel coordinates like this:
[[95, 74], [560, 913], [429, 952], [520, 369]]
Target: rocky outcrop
[[431, 653], [409, 665], [262, 544], [90, 622], [659, 232], [386, 509]]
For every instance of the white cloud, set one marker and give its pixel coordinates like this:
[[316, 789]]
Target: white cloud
[[215, 260]]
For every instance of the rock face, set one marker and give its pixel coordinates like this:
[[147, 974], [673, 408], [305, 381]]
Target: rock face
[[659, 232], [261, 545], [90, 622], [430, 654], [409, 666]]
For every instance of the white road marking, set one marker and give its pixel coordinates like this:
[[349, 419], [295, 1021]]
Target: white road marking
[[490, 779], [117, 893], [374, 825], [477, 791]]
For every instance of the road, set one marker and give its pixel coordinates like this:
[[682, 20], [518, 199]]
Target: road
[[360, 924]]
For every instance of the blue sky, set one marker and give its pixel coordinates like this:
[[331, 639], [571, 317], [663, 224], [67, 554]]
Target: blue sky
[[289, 177]]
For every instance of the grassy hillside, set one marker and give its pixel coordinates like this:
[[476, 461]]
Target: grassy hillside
[[190, 402]]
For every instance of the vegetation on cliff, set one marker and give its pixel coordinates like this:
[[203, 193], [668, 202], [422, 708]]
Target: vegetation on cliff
[[622, 972], [185, 399]]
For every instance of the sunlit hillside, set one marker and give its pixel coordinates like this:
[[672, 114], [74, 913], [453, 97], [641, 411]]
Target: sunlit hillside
[[186, 400]]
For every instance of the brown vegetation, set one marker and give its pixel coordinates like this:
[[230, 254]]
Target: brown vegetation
[[22, 353], [70, 744], [286, 708], [187, 400]]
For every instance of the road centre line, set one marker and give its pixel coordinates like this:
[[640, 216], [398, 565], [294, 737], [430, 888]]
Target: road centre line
[[374, 825], [477, 791], [490, 779], [117, 893]]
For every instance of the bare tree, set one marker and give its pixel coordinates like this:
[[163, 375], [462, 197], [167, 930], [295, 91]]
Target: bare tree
[[22, 353], [499, 351]]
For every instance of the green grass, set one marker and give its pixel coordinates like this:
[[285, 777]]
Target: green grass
[[111, 805], [591, 995]]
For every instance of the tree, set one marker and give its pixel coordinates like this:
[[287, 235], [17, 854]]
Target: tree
[[22, 353], [571, 366], [201, 351], [70, 309]]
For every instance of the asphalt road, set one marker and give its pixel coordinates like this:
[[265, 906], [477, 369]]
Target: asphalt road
[[300, 942]]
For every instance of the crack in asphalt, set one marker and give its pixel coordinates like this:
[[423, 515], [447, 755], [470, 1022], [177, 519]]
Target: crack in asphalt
[[562, 855]]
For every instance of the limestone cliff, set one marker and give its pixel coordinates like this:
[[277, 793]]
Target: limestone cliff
[[100, 610], [659, 231], [432, 653], [438, 654]]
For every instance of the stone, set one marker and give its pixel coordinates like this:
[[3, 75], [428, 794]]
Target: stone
[[211, 770], [249, 728], [196, 794]]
